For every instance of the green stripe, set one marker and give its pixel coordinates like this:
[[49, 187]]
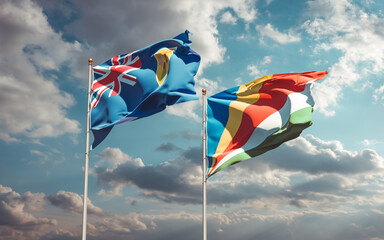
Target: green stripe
[[302, 116], [233, 160], [298, 121]]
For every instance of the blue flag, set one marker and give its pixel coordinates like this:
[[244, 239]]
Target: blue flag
[[136, 85]]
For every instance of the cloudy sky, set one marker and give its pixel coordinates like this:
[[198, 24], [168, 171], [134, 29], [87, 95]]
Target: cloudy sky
[[145, 178]]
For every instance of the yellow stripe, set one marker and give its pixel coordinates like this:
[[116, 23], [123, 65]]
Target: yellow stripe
[[247, 94], [162, 57]]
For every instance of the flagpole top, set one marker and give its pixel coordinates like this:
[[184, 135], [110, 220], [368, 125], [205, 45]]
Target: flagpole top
[[204, 91], [90, 61]]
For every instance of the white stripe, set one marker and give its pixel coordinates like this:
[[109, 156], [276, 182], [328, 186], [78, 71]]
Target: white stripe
[[275, 121], [227, 157], [127, 119], [127, 81], [302, 99]]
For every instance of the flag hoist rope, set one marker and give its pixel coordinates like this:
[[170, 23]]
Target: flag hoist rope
[[204, 92], [85, 196]]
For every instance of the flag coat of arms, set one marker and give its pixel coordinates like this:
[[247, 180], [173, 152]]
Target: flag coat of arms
[[136, 85], [246, 121]]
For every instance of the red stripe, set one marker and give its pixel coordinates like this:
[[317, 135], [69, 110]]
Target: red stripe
[[99, 71], [136, 64], [115, 61], [98, 97], [129, 77], [110, 78], [273, 95], [125, 60]]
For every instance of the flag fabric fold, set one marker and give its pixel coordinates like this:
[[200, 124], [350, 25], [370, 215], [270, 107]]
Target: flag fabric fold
[[136, 85], [249, 120]]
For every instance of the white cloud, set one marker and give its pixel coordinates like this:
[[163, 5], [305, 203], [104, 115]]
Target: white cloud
[[283, 191], [370, 142], [210, 85], [202, 19], [378, 95], [115, 157], [103, 225], [254, 71], [73, 202], [238, 81], [15, 211], [270, 32], [228, 18], [164, 181], [332, 194], [309, 168], [316, 156], [267, 60], [186, 110], [32, 105], [34, 201], [358, 35], [197, 16]]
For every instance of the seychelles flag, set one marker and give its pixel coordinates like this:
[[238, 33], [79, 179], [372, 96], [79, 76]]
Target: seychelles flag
[[136, 85], [246, 121]]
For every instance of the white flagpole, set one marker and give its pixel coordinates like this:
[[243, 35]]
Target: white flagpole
[[85, 197], [204, 164]]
